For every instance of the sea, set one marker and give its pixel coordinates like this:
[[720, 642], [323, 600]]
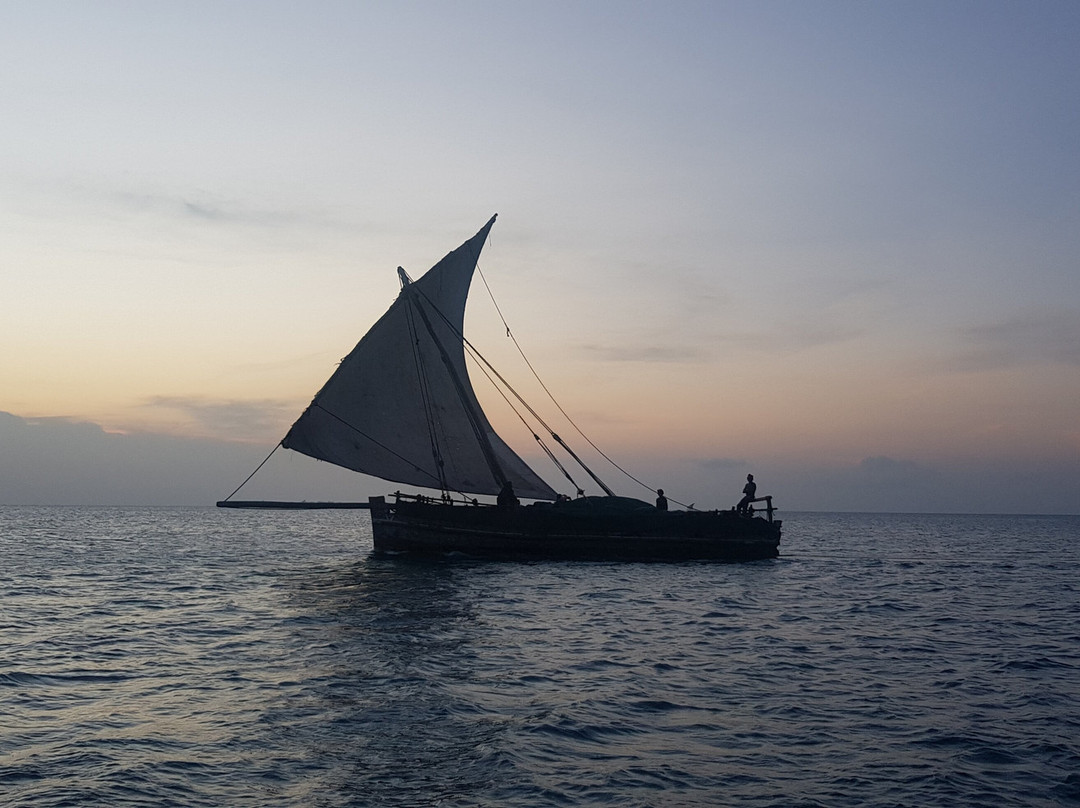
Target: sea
[[203, 657]]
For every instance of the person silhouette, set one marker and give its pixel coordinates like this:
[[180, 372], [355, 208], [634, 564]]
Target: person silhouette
[[661, 500], [507, 498], [749, 493]]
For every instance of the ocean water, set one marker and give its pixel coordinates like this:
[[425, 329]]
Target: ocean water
[[197, 657]]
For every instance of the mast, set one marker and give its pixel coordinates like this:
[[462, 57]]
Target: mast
[[475, 420]]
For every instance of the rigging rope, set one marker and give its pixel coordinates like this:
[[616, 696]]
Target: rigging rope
[[385, 448], [476, 353], [559, 406], [540, 381], [480, 361], [245, 482], [382, 446]]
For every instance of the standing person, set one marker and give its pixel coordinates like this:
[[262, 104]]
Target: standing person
[[749, 493], [661, 500]]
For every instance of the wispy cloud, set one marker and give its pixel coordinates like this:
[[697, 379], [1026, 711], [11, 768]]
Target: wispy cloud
[[887, 469], [796, 336], [1049, 335], [212, 208], [241, 420], [203, 211], [707, 344], [644, 353], [100, 197], [724, 463]]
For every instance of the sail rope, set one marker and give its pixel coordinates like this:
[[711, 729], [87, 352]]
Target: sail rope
[[382, 446], [554, 435], [246, 479], [554, 401], [481, 358], [359, 432], [551, 455], [474, 419]]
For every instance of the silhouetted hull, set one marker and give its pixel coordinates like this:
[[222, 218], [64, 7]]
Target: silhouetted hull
[[588, 529], [279, 505]]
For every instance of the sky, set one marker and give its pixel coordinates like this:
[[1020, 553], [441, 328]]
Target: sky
[[833, 244]]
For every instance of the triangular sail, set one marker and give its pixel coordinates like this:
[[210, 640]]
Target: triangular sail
[[400, 406]]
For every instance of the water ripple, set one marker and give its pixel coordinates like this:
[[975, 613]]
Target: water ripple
[[194, 657]]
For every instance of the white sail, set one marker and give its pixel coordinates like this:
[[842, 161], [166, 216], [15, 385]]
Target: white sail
[[401, 405]]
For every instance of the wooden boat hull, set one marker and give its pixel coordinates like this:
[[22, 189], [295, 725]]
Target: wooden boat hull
[[589, 529]]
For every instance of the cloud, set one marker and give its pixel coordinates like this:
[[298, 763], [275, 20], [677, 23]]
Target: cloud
[[875, 484], [1047, 335], [63, 461], [239, 420], [883, 468], [644, 353], [724, 463], [208, 208], [48, 461], [793, 337], [887, 484], [695, 322], [202, 211], [103, 198]]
